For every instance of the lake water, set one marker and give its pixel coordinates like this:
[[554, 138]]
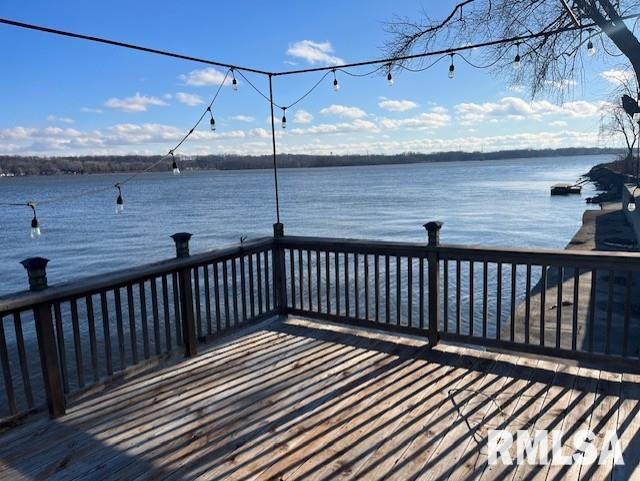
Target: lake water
[[502, 203]]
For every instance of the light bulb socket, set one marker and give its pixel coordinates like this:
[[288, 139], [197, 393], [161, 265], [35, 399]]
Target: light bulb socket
[[34, 223]]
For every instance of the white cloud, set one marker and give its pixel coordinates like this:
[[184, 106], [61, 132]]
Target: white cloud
[[302, 117], [617, 76], [259, 132], [137, 103], [558, 123], [314, 52], [64, 120], [516, 88], [243, 118], [514, 108], [189, 99], [90, 110], [397, 105], [205, 77], [423, 121], [357, 125], [343, 111]]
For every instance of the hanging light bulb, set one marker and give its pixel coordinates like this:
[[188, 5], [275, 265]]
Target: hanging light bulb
[[212, 122], [284, 118], [119, 201], [234, 82], [389, 77], [35, 225], [336, 85], [452, 69], [591, 50], [174, 165], [516, 61]]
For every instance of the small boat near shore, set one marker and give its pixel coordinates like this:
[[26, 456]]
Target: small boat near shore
[[565, 189]]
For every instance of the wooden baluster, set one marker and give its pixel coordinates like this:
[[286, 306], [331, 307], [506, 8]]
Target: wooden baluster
[[485, 301], [207, 299], [165, 310], [346, 285], [356, 284], [607, 342], [471, 301], [132, 323], [527, 301], [559, 307], [318, 282], [576, 294], [259, 282], [243, 287], [143, 319], [512, 307], [445, 294], [196, 292], [106, 332], [22, 358], [156, 315], [458, 295], [366, 286], [292, 274], [216, 294], [336, 258], [309, 280], [92, 338], [175, 287], [543, 295], [499, 301], [409, 291], [421, 291], [6, 371], [327, 281], [225, 292], [376, 260], [119, 328], [62, 349], [252, 299], [234, 291], [387, 289], [592, 308], [627, 315], [300, 279], [267, 297], [398, 290]]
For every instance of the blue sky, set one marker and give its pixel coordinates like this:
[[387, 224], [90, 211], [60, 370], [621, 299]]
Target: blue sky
[[66, 97]]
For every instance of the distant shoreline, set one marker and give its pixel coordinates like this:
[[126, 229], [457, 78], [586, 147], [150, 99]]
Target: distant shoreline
[[17, 166]]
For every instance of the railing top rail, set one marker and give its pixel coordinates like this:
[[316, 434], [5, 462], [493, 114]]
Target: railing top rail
[[101, 282], [583, 259]]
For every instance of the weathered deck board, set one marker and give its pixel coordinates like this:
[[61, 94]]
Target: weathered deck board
[[300, 399]]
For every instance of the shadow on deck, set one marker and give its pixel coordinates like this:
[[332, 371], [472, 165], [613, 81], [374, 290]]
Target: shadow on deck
[[299, 399]]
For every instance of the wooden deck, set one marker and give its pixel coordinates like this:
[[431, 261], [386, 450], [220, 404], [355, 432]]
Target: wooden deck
[[306, 400]]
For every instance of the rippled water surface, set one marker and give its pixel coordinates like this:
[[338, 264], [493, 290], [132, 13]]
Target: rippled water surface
[[504, 203]]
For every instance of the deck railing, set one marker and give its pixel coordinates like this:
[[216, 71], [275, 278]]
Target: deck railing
[[56, 342]]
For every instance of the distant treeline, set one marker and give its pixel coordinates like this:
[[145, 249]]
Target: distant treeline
[[23, 165]]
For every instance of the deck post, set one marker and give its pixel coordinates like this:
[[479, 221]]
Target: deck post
[[186, 296], [51, 375], [279, 270], [433, 234]]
